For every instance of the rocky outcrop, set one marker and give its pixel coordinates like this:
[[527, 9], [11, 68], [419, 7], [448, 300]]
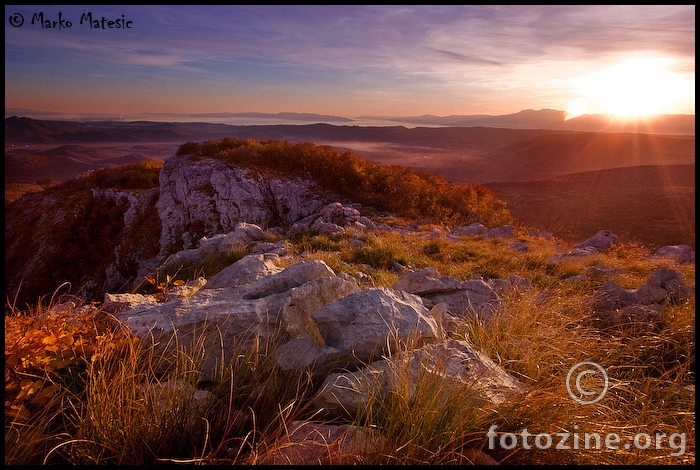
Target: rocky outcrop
[[613, 306], [326, 325], [203, 197], [216, 319], [361, 347]]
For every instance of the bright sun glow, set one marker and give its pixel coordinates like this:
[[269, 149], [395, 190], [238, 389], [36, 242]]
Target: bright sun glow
[[635, 87]]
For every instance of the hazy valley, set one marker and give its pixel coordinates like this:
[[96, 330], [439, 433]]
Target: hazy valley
[[559, 180]]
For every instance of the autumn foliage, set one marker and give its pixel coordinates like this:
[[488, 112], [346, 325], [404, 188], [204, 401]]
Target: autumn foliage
[[46, 354], [404, 191]]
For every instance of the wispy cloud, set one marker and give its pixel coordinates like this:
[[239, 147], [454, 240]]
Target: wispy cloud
[[442, 53]]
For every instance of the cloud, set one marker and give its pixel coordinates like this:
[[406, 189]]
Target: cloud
[[396, 52], [467, 59]]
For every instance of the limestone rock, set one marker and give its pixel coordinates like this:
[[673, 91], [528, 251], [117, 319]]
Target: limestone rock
[[463, 298], [248, 269], [474, 229], [615, 306], [209, 196], [602, 240], [215, 320], [461, 368], [369, 323], [682, 254], [504, 231]]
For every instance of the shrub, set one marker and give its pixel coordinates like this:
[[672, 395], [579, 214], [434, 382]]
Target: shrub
[[142, 175], [404, 191]]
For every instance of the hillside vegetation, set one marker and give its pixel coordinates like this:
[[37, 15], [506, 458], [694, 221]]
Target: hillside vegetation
[[81, 388], [404, 191]]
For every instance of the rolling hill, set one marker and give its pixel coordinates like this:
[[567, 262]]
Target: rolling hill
[[571, 183], [653, 205]]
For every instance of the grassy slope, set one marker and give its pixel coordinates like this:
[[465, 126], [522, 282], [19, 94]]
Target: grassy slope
[[95, 415], [653, 205]]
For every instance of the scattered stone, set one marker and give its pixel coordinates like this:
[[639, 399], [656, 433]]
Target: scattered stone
[[514, 283], [614, 306], [474, 229], [602, 240], [464, 299], [575, 253], [504, 231], [682, 254], [519, 246]]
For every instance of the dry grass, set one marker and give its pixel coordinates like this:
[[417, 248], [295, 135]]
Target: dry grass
[[127, 402]]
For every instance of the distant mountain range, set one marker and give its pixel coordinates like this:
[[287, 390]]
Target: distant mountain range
[[557, 120], [548, 119]]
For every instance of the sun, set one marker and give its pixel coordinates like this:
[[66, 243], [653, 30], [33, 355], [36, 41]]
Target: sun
[[633, 88]]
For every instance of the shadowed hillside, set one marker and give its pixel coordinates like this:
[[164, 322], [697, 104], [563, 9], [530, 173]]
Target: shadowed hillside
[[654, 205]]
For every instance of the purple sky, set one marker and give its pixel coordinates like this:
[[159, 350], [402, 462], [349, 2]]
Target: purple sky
[[349, 60]]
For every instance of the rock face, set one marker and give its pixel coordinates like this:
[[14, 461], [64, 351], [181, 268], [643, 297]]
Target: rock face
[[206, 197]]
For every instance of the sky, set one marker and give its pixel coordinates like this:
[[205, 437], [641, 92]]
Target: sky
[[350, 61]]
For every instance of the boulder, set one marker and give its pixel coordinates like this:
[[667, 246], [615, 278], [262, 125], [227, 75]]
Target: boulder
[[474, 229], [248, 269], [214, 321], [614, 306], [682, 254], [504, 231], [427, 281], [464, 299], [333, 220], [331, 230], [513, 284], [373, 322], [664, 286], [461, 368], [602, 240], [293, 276]]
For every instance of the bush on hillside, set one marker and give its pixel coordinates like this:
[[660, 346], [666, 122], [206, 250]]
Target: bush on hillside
[[142, 175], [405, 191]]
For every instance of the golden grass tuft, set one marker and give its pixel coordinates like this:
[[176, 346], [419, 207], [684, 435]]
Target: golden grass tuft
[[81, 390]]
